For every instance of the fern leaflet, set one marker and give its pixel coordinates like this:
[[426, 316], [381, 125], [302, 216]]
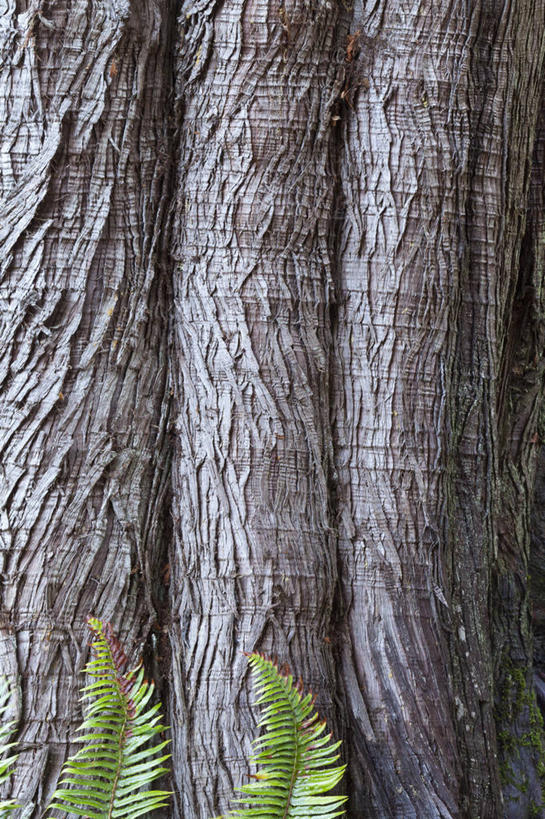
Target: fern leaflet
[[105, 779], [296, 758], [6, 762]]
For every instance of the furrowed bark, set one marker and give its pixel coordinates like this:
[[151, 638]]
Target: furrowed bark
[[518, 602], [491, 474], [535, 249], [434, 180], [83, 367], [253, 563]]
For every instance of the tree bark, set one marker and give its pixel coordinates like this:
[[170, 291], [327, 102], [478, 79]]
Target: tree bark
[[521, 743], [439, 138], [83, 400], [253, 561], [356, 343]]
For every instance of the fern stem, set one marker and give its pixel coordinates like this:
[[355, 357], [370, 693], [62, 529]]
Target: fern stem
[[122, 740], [110, 775], [294, 770], [115, 661]]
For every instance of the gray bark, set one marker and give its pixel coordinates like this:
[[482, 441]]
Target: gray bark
[[517, 572], [356, 365], [434, 179], [253, 562], [83, 395]]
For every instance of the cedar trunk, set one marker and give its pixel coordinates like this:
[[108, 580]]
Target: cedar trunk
[[83, 398], [432, 439], [272, 298]]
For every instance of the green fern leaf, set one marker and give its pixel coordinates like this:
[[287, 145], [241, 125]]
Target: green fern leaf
[[105, 780], [6, 762], [295, 757]]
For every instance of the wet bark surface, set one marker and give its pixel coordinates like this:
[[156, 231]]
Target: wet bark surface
[[490, 429]]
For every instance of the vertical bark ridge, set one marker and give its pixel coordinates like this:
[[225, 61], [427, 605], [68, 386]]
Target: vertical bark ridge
[[433, 182], [517, 573], [253, 564], [536, 253], [83, 368], [395, 281], [484, 465]]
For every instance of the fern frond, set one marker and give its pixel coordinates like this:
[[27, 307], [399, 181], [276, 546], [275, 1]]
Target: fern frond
[[296, 758], [6, 762], [105, 779]]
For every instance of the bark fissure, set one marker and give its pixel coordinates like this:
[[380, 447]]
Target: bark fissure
[[83, 404]]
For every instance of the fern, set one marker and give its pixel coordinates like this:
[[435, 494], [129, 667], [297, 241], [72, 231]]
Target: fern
[[296, 758], [6, 762], [104, 779]]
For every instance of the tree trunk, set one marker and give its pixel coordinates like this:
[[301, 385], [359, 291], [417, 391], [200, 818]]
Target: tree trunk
[[438, 141], [83, 401], [519, 726], [253, 562], [356, 344]]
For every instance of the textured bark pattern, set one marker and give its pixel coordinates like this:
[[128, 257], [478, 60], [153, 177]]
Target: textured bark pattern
[[434, 181], [357, 332], [535, 250], [254, 562], [520, 742], [82, 334], [490, 428]]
